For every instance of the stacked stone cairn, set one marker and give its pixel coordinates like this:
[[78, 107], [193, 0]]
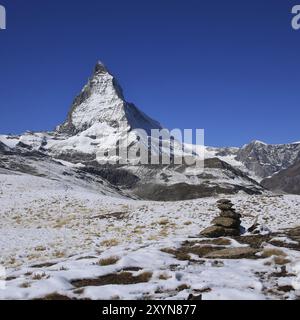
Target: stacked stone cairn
[[228, 223]]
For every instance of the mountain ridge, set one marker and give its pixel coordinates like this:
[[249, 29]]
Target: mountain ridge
[[100, 117]]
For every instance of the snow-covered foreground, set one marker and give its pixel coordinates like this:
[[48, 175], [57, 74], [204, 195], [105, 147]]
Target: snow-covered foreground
[[59, 240]]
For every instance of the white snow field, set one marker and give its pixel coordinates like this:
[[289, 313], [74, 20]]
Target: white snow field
[[60, 240]]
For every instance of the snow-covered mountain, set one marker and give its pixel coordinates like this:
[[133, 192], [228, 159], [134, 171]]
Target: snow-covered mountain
[[266, 159], [100, 118], [101, 104]]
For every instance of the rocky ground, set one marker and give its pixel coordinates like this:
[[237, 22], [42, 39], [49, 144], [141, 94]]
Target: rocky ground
[[59, 241]]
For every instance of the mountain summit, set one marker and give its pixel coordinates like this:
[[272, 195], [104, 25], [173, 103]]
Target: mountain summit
[[101, 101]]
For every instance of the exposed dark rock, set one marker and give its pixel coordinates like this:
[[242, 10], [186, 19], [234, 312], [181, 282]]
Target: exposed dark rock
[[185, 191], [55, 297], [255, 228], [230, 214], [75, 156], [254, 241], [114, 175], [287, 180], [4, 148], [194, 297], [124, 278], [233, 253], [217, 231], [225, 207], [223, 201], [228, 223]]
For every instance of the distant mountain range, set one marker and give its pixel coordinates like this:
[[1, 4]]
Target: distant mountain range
[[100, 117]]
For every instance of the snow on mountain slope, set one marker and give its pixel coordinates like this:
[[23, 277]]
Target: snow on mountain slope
[[171, 183], [9, 141], [265, 159], [102, 101], [33, 166]]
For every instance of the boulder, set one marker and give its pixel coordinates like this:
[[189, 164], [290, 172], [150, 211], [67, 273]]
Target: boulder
[[223, 201], [225, 207], [194, 297], [226, 222], [230, 214], [218, 231]]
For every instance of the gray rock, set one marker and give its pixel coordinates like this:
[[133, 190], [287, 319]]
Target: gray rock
[[226, 222], [230, 214], [194, 297], [287, 180], [226, 207], [217, 231], [224, 201]]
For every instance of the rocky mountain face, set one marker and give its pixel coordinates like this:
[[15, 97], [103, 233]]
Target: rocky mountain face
[[287, 180], [264, 160], [100, 118], [4, 148], [101, 101], [170, 183]]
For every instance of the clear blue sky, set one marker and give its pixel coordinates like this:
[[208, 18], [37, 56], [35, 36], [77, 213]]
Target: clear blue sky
[[230, 67]]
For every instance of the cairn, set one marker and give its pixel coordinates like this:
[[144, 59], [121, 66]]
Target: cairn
[[228, 223]]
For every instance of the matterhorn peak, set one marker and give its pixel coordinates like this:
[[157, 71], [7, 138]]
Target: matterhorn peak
[[101, 102], [100, 68]]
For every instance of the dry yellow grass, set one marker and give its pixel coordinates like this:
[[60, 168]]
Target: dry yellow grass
[[138, 231], [108, 261], [163, 222], [40, 276], [152, 237], [163, 233], [40, 248], [281, 260], [59, 254], [164, 276], [109, 243], [60, 223], [269, 252], [182, 287]]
